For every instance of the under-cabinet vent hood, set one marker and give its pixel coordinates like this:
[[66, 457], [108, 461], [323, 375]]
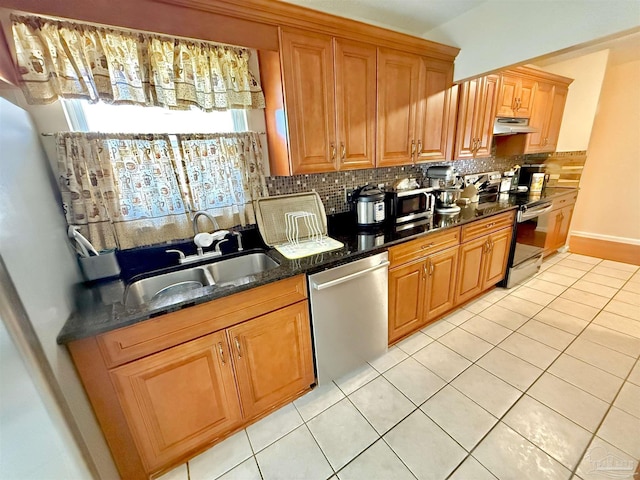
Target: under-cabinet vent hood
[[511, 126]]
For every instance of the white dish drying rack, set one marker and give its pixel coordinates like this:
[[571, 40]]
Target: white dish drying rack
[[295, 225]]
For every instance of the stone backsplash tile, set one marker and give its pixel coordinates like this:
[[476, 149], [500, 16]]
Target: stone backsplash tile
[[331, 186]]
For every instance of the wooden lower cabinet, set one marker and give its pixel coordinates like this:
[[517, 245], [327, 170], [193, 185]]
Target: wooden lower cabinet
[[420, 291], [179, 398], [272, 357], [482, 264], [161, 402], [558, 229]]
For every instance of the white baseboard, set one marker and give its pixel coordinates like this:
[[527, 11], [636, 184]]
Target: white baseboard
[[608, 238]]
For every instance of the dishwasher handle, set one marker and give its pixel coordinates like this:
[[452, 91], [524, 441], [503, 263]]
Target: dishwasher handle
[[347, 278]]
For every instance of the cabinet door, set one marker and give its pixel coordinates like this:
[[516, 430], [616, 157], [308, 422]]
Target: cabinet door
[[179, 399], [476, 114], [563, 231], [355, 65], [435, 121], [553, 231], [398, 90], [272, 357], [497, 257], [540, 118], [307, 67], [486, 116], [406, 299], [555, 118], [441, 286], [515, 98], [470, 269]]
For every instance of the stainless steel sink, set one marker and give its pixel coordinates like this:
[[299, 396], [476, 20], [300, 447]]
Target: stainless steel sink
[[173, 287], [232, 269]]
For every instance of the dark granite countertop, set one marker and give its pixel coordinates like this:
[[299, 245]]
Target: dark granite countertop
[[100, 308]]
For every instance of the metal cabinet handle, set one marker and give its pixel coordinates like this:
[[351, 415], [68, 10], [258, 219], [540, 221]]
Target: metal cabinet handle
[[491, 245], [343, 151], [489, 225], [427, 246], [424, 272], [419, 147], [431, 268], [238, 347], [486, 247], [221, 352], [413, 150], [333, 152]]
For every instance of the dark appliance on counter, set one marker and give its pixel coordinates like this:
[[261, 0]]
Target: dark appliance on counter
[[407, 207], [527, 243], [369, 206], [533, 177]]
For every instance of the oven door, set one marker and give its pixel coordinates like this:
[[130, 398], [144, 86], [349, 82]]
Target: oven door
[[530, 236], [531, 233]]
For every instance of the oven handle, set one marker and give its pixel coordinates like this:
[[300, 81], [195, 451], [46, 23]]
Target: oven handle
[[528, 214]]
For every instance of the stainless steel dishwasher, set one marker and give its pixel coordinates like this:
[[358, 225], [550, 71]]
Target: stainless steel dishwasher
[[349, 315]]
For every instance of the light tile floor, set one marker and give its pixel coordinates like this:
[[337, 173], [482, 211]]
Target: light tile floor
[[538, 382]]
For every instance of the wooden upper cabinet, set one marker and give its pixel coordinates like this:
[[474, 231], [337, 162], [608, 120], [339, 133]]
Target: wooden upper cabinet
[[435, 121], [516, 96], [546, 117], [355, 69], [476, 114], [398, 93], [273, 357], [308, 72], [179, 399], [330, 92]]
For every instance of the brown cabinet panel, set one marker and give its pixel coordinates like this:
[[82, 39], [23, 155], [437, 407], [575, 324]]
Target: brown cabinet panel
[[555, 117], [355, 68], [470, 269], [272, 357], [516, 95], [540, 118], [476, 113], [406, 299], [497, 257], [398, 92], [178, 399], [441, 269], [308, 73], [417, 249], [558, 228], [435, 118], [483, 227]]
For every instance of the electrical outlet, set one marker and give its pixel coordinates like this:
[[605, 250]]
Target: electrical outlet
[[348, 194]]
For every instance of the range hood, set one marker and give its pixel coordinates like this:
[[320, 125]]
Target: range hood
[[511, 126]]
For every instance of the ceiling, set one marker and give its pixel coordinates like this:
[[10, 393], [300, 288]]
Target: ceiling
[[414, 17]]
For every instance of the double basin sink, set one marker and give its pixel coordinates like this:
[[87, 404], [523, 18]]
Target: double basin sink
[[166, 289]]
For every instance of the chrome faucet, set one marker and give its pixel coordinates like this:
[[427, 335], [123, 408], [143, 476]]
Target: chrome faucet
[[206, 214]]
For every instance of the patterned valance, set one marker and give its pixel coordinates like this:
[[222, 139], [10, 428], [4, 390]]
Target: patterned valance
[[69, 60]]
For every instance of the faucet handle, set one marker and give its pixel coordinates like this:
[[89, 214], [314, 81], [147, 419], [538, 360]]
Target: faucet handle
[[238, 236], [217, 249], [179, 252]]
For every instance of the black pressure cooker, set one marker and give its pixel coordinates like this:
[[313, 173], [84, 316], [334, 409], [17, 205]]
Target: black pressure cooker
[[368, 204]]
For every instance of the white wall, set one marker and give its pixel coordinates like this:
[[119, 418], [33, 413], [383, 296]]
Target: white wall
[[608, 205], [582, 101], [40, 260], [502, 33], [32, 446]]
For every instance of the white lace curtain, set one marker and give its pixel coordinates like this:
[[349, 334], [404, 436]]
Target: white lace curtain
[[69, 60], [131, 190]]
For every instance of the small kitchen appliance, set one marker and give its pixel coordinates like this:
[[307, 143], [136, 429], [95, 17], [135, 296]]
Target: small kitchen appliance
[[446, 200], [410, 205], [441, 177], [533, 177], [369, 206]]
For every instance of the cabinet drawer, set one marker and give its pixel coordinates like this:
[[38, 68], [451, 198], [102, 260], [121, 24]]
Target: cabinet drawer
[[424, 246], [150, 336], [487, 226], [565, 200]]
